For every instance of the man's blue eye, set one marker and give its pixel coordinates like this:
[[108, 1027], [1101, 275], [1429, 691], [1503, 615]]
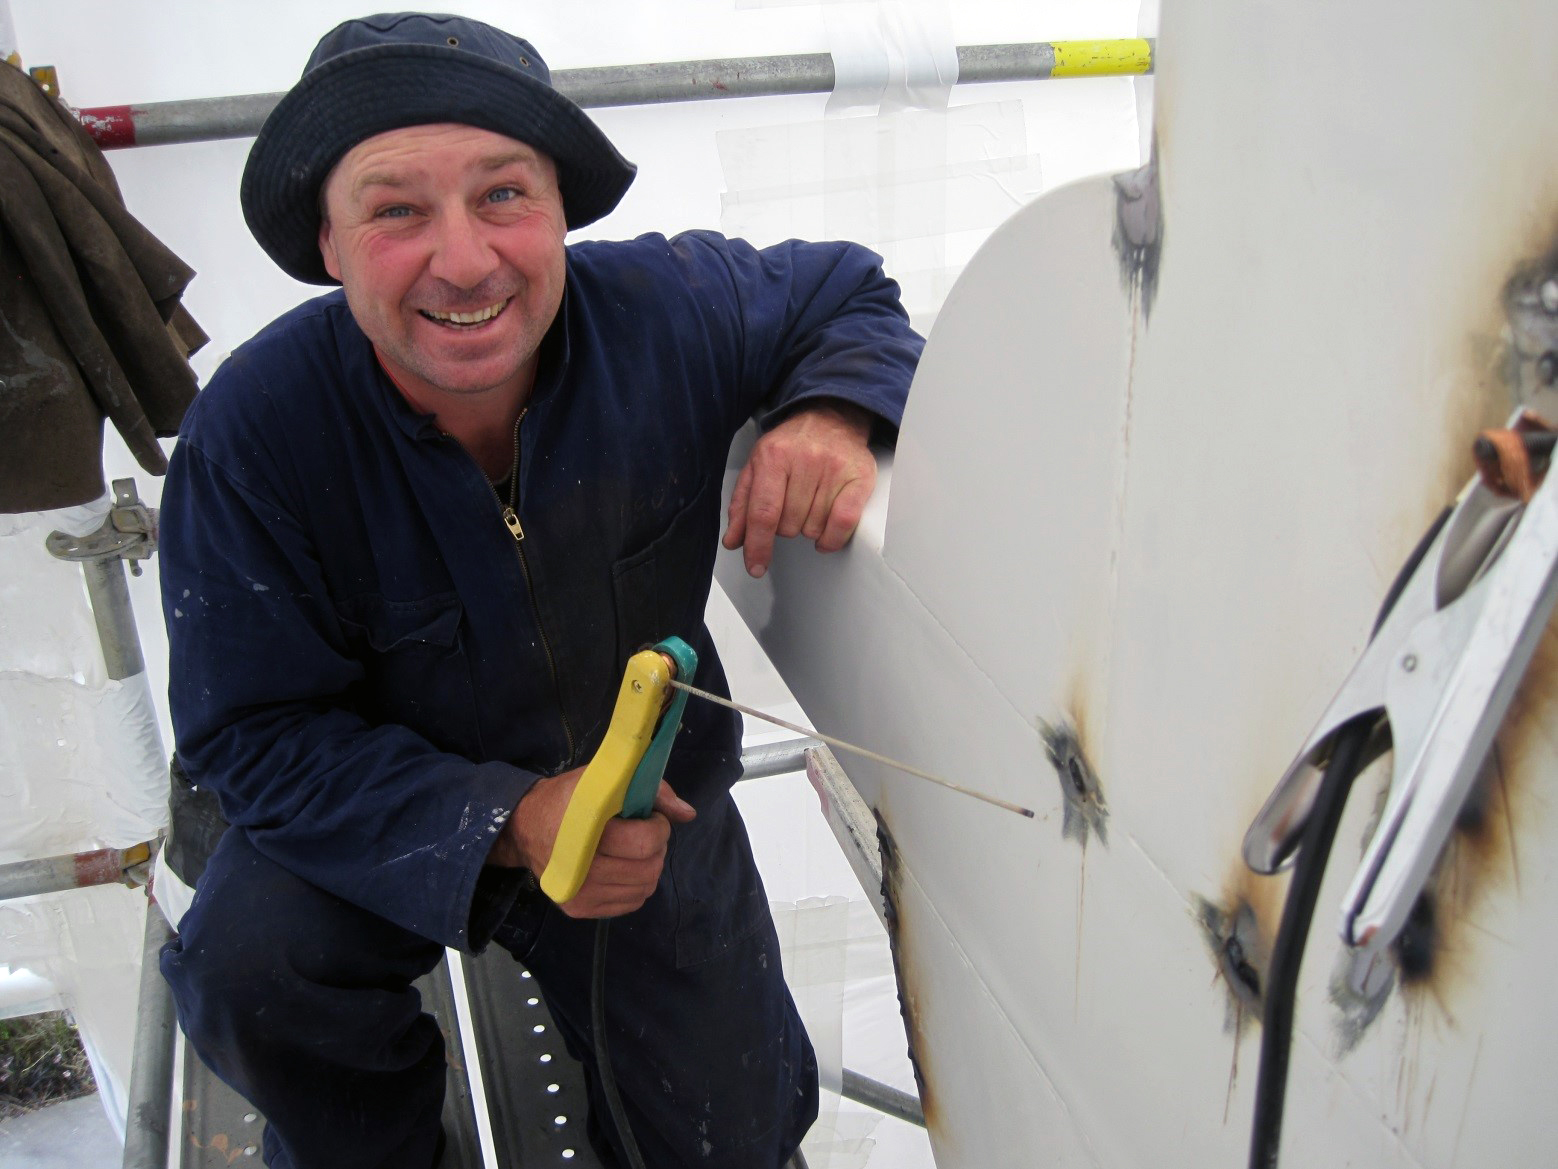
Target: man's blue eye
[[396, 212], [503, 195]]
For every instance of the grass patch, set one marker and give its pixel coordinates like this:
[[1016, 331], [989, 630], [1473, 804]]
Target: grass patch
[[41, 1062]]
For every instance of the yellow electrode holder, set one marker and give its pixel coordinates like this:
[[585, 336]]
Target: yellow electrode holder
[[603, 787]]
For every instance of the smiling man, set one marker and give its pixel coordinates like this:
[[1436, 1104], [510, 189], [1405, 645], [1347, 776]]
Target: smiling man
[[411, 533]]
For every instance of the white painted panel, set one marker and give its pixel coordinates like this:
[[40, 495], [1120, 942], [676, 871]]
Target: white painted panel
[[1007, 472], [1176, 529]]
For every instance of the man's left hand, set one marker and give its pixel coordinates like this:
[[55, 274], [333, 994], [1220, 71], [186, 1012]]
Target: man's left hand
[[809, 476]]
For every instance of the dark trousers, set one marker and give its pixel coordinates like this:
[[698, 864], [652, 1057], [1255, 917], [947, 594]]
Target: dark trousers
[[303, 1004]]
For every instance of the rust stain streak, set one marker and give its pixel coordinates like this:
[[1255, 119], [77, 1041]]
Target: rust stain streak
[[221, 1146], [1486, 932], [903, 970], [1509, 817], [1233, 1065], [1476, 1060], [1076, 981]]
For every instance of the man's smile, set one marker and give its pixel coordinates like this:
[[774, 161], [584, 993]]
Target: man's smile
[[466, 320]]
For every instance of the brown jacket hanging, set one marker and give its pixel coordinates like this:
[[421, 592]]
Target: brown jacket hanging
[[90, 320]]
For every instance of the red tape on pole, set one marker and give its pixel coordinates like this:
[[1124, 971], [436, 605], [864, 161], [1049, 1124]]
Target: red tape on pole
[[111, 127]]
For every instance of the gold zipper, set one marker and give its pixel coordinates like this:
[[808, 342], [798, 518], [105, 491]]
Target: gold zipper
[[510, 513], [516, 529]]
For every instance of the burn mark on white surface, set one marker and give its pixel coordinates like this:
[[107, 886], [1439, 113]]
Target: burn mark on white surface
[[1432, 951], [1360, 986], [1138, 231], [1416, 945], [1086, 812], [1240, 949], [903, 965], [1531, 309], [1240, 953]]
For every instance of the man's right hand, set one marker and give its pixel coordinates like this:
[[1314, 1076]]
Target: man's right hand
[[627, 864]]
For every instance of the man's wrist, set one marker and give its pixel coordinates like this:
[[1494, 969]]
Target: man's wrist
[[505, 852], [851, 414]]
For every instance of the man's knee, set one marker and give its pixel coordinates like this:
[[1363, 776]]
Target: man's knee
[[260, 946]]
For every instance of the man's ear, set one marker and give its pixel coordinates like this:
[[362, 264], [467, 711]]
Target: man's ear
[[327, 247]]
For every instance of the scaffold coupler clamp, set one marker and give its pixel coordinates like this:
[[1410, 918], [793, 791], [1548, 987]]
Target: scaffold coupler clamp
[[129, 533], [1435, 681]]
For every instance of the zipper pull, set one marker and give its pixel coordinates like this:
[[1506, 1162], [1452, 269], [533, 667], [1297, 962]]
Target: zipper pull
[[511, 521]]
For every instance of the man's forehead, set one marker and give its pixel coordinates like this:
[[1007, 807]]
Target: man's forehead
[[402, 155]]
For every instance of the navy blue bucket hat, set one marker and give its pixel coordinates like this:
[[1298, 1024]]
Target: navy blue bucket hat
[[410, 69]]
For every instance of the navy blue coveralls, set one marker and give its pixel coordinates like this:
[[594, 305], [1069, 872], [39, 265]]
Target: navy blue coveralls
[[370, 672]]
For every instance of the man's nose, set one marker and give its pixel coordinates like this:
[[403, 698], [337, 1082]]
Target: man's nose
[[461, 253]]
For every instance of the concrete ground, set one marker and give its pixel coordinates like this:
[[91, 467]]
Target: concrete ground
[[74, 1134]]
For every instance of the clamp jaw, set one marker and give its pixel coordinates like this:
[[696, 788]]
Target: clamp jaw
[[624, 774], [1435, 684]]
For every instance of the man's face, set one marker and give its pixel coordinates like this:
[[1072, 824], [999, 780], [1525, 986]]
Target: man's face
[[449, 242]]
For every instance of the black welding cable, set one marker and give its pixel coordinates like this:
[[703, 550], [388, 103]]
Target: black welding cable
[[1349, 756], [1288, 954], [608, 1079]]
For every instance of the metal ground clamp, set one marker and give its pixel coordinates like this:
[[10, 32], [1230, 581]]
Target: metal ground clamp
[[1436, 682]]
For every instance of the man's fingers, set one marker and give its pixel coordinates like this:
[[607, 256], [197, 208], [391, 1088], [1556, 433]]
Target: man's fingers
[[672, 806], [621, 875], [765, 507], [844, 516], [634, 840], [817, 518], [736, 520], [590, 904], [625, 870], [811, 475], [800, 497]]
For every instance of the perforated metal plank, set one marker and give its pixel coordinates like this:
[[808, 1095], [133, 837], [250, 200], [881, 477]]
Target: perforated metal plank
[[464, 1149], [535, 1089], [221, 1130]]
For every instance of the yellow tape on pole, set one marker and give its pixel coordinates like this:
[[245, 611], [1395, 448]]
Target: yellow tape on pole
[[1102, 58]]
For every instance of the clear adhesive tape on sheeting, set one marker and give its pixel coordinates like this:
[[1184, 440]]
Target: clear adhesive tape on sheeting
[[860, 64], [838, 962], [81, 520], [813, 941], [135, 800], [922, 53], [172, 895], [897, 54]]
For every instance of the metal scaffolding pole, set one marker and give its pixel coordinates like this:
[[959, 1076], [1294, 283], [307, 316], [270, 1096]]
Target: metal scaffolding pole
[[209, 119], [776, 758], [883, 1097], [151, 1071], [103, 866], [129, 533]]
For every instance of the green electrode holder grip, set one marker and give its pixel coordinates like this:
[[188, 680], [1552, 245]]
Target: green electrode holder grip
[[640, 798]]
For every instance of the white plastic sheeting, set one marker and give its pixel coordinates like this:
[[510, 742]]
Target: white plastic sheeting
[[901, 162], [85, 945], [81, 767]]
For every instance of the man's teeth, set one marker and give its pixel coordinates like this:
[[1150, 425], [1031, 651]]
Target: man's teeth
[[475, 318]]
